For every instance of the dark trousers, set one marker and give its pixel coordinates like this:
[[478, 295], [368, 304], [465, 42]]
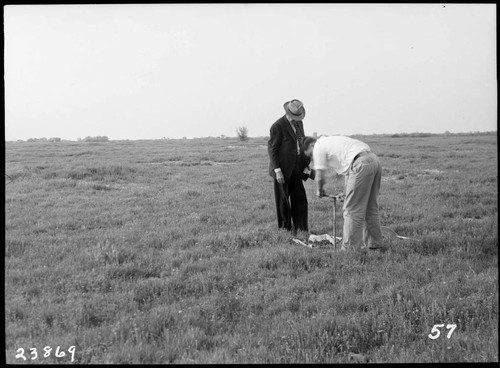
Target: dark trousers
[[291, 203]]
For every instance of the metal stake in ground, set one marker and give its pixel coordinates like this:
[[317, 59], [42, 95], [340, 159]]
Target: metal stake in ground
[[339, 197], [335, 223]]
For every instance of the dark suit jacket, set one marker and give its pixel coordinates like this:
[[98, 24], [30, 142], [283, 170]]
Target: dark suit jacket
[[304, 162], [282, 147]]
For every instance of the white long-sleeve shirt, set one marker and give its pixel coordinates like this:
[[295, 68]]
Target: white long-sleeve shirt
[[337, 152]]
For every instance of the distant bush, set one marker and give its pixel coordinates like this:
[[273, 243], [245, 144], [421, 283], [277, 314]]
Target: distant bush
[[37, 140], [53, 139], [242, 133], [96, 139]]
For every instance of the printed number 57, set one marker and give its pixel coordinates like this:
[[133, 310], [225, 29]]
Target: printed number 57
[[435, 329]]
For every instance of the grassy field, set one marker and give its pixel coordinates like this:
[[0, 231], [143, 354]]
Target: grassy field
[[167, 251]]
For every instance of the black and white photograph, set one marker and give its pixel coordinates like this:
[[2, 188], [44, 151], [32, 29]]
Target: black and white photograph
[[271, 183]]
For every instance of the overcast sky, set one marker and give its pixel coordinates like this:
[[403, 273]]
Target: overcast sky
[[152, 71]]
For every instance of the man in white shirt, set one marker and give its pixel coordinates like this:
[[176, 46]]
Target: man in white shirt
[[353, 158]]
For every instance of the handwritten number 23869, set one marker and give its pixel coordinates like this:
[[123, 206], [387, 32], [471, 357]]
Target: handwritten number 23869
[[46, 353]]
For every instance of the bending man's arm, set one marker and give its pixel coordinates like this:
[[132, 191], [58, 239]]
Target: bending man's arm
[[320, 181]]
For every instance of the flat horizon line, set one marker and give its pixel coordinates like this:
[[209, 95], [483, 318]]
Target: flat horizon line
[[395, 135]]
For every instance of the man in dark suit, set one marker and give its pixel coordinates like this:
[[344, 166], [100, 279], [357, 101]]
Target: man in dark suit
[[287, 165]]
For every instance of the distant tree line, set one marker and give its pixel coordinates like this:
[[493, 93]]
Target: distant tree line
[[54, 139], [57, 139], [413, 135], [95, 139], [447, 133]]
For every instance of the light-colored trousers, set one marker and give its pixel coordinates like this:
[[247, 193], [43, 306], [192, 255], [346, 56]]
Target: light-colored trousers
[[361, 215]]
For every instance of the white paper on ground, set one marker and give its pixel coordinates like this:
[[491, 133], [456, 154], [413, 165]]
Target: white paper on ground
[[323, 237], [302, 243]]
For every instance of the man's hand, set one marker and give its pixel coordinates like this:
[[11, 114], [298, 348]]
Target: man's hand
[[280, 178], [320, 193]]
